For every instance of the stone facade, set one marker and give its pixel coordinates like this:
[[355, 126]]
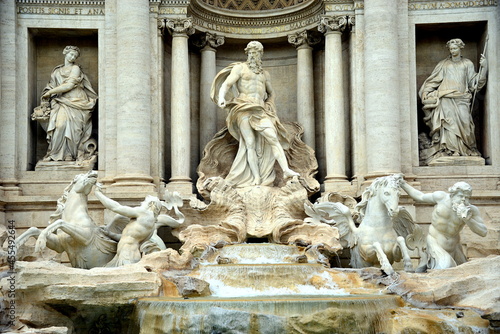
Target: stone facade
[[352, 82]]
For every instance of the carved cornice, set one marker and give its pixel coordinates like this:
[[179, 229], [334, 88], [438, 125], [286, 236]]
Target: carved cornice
[[436, 4], [334, 23], [303, 38], [174, 3], [61, 7], [342, 6], [209, 39], [256, 24], [61, 2]]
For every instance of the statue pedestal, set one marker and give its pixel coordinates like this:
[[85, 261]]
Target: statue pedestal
[[84, 165], [457, 161]]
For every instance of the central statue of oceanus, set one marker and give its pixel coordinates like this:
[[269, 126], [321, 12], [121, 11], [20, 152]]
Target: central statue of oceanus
[[245, 91]]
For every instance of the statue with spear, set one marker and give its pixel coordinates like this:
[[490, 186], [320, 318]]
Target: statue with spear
[[446, 96]]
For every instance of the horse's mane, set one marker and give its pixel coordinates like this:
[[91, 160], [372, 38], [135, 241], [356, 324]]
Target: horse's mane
[[360, 208], [61, 202]]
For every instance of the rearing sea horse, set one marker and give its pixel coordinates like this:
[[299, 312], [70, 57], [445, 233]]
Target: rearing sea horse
[[72, 230], [386, 231]]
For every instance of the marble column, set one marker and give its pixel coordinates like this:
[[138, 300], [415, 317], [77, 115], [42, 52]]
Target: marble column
[[334, 104], [382, 105], [358, 130], [180, 126], [8, 83], [305, 83], [109, 106], [208, 109], [133, 121]]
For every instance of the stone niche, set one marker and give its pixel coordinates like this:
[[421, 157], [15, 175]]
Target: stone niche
[[280, 60], [45, 53], [431, 49]]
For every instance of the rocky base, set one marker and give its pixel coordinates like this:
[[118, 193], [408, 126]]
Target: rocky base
[[52, 298]]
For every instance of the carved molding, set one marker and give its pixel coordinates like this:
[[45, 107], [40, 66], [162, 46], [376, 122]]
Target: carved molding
[[256, 24], [303, 38], [430, 5], [61, 7], [342, 6], [174, 3], [253, 4], [62, 2]]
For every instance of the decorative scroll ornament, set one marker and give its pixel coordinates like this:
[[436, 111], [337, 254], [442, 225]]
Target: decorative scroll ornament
[[304, 38], [178, 26], [209, 39], [335, 23]]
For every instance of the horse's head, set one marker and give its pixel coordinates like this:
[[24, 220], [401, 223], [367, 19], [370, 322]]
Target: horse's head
[[388, 192], [83, 183]]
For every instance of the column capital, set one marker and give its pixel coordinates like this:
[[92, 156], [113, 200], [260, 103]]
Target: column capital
[[303, 39], [209, 40], [335, 24], [177, 27]]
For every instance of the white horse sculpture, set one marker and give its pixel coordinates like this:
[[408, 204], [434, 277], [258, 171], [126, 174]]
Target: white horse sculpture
[[72, 230], [385, 229]]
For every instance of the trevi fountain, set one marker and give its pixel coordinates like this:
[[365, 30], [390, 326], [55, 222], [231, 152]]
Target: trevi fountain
[[249, 166]]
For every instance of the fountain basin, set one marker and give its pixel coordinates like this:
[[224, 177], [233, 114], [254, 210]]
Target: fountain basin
[[274, 314]]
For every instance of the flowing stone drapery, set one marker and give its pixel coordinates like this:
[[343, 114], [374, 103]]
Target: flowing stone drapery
[[208, 110], [133, 95], [305, 90], [335, 125], [382, 88], [180, 129]]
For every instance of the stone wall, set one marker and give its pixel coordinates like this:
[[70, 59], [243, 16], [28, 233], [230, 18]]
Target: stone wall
[[34, 34]]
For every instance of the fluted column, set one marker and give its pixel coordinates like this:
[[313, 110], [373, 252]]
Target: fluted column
[[8, 82], [180, 126], [133, 121], [208, 109], [305, 83], [357, 102], [382, 88], [335, 124]]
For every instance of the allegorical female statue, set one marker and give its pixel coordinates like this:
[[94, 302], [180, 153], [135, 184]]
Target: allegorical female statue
[[67, 101], [446, 95]]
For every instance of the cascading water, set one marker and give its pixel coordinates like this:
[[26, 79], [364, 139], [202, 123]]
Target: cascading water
[[278, 296]]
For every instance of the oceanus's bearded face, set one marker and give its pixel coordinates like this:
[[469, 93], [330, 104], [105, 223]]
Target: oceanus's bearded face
[[254, 62], [460, 204]]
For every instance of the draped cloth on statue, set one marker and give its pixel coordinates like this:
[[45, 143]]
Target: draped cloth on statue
[[261, 116], [446, 95], [70, 123]]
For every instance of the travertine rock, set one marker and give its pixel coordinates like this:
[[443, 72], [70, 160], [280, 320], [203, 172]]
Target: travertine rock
[[48, 330], [168, 259], [51, 282], [471, 285], [410, 320], [52, 294], [190, 286]]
